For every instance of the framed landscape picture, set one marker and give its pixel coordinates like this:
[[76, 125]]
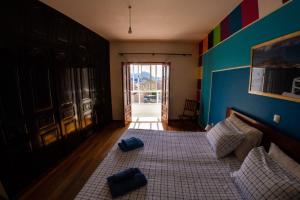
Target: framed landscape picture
[[275, 68]]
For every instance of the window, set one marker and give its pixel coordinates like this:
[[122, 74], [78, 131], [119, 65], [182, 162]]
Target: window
[[146, 83]]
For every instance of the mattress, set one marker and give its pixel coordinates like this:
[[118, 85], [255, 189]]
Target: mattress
[[178, 165]]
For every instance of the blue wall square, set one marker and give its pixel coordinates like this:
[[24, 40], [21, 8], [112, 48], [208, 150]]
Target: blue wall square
[[235, 20]]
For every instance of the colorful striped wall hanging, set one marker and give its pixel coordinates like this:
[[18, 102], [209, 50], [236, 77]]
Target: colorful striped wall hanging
[[249, 12], [244, 14], [200, 61], [217, 35], [200, 50], [225, 29], [235, 20], [205, 44], [211, 39]]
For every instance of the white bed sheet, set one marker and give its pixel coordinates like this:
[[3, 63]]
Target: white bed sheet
[[178, 165]]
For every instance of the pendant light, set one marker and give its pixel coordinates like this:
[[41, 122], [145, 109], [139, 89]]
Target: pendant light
[[129, 29]]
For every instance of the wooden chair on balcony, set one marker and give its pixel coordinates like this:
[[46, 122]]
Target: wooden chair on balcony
[[190, 110]]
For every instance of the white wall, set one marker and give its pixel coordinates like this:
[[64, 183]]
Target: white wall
[[183, 74]]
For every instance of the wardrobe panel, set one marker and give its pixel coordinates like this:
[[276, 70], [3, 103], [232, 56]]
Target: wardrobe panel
[[41, 88], [38, 71], [61, 29], [13, 119], [85, 87], [65, 86], [49, 136], [55, 89], [84, 100], [15, 149], [37, 22]]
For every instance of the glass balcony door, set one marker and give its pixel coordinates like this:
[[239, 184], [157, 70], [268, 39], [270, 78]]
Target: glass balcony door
[[146, 83], [146, 91]]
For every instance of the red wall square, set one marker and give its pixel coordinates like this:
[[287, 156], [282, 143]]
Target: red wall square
[[201, 47], [225, 33], [249, 12]]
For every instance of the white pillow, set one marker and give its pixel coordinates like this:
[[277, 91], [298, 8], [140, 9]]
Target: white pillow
[[223, 139], [284, 160], [260, 177], [252, 139]]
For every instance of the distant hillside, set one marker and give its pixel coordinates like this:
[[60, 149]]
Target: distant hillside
[[145, 76]]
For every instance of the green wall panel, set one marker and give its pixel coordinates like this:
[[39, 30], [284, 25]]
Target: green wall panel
[[217, 35]]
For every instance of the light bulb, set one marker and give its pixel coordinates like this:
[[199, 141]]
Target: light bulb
[[129, 30]]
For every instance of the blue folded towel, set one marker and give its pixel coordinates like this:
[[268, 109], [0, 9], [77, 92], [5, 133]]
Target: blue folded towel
[[126, 181], [128, 173], [130, 144]]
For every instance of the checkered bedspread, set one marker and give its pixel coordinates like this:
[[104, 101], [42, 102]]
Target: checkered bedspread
[[177, 166]]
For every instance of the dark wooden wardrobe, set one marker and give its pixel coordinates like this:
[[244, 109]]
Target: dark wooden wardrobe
[[54, 87]]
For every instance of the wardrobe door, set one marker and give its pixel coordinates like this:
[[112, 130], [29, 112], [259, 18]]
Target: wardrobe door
[[61, 29], [37, 20], [84, 97], [94, 80], [38, 70], [11, 20], [81, 59], [64, 76], [39, 79], [15, 149], [101, 92], [106, 82]]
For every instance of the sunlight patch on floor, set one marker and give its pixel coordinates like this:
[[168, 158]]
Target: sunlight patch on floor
[[146, 119], [146, 125]]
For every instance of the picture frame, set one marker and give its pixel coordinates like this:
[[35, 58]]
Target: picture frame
[[275, 68]]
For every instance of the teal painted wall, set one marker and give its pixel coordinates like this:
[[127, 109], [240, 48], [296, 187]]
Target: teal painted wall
[[230, 89], [235, 51]]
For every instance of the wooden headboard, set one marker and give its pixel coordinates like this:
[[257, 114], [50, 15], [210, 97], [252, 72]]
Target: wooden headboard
[[289, 145]]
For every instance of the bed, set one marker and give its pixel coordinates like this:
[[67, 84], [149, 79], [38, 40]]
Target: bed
[[178, 165]]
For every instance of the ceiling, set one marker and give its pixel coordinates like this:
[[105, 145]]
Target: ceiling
[[152, 20]]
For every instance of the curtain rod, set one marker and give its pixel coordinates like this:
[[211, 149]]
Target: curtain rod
[[168, 54]]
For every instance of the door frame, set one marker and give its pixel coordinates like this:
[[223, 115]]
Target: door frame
[[155, 62], [125, 120], [165, 120]]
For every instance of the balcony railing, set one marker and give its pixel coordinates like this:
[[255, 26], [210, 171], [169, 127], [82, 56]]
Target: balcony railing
[[146, 96]]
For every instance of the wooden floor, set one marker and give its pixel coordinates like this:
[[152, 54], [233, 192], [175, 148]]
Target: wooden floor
[[66, 180]]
